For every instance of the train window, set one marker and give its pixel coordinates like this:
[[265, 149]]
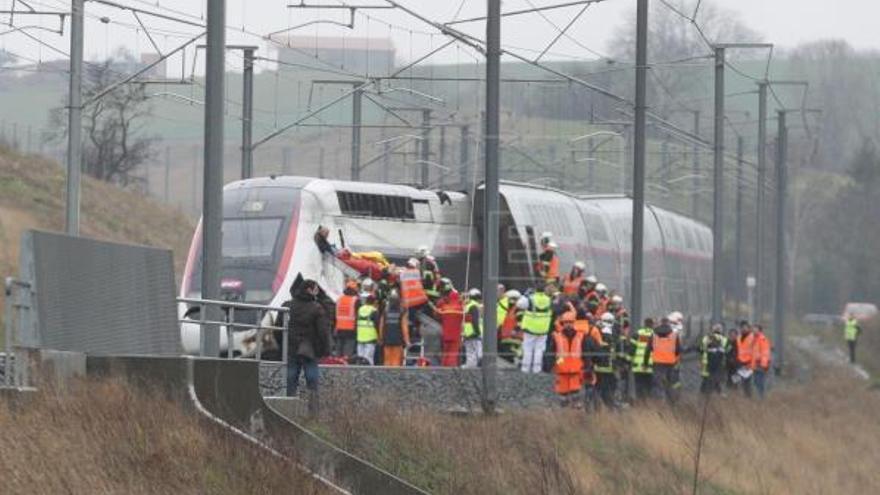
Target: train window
[[250, 237], [375, 205]]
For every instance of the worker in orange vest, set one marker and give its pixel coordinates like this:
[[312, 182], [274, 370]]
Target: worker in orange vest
[[572, 282], [413, 296], [664, 349], [760, 359], [745, 357], [565, 357], [547, 267], [450, 311], [346, 317]]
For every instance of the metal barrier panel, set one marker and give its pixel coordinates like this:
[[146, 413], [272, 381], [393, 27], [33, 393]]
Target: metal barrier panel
[[100, 297]]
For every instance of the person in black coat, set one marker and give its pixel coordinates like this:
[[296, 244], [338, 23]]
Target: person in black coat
[[310, 338]]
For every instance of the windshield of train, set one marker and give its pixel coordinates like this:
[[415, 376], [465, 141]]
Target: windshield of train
[[256, 221]]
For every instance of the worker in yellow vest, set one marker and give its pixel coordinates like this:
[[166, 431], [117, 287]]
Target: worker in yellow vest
[[851, 332], [472, 332], [367, 328], [536, 321]]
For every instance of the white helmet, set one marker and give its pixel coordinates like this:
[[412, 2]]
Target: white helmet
[[546, 236], [580, 265], [422, 251], [607, 318], [601, 288], [522, 303], [365, 295], [474, 293], [617, 299], [367, 284], [412, 263], [675, 317], [552, 245], [592, 280], [513, 294]]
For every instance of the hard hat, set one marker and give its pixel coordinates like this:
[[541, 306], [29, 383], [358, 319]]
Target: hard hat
[[592, 280], [365, 295], [422, 251], [430, 257], [522, 303], [513, 294], [607, 317], [617, 299], [675, 317], [601, 288], [552, 245], [367, 284], [412, 263], [580, 265], [546, 235], [474, 293]]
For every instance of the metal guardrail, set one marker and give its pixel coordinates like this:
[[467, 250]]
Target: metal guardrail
[[229, 308], [18, 307]]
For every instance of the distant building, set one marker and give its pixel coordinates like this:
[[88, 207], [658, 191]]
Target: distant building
[[361, 55]]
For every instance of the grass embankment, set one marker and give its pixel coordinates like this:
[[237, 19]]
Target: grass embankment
[[32, 197], [820, 438], [104, 437]]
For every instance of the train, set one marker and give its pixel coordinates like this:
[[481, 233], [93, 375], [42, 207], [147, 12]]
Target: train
[[269, 227]]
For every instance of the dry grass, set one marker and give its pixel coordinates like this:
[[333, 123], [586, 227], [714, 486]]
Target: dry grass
[[32, 197], [820, 438], [103, 437]]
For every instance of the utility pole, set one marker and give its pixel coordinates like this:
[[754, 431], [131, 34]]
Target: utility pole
[[247, 115], [356, 107], [212, 188], [638, 204], [74, 118], [759, 201], [426, 145], [464, 158], [781, 267], [718, 171], [695, 197], [490, 204], [738, 272]]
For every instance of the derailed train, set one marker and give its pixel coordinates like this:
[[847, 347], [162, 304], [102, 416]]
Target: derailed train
[[269, 225]]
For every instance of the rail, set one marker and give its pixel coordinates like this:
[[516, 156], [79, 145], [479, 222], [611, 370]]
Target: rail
[[231, 325]]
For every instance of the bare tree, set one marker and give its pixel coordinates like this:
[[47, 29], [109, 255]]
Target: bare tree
[[115, 144]]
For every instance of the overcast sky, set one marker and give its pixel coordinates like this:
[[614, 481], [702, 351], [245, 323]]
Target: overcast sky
[[784, 22]]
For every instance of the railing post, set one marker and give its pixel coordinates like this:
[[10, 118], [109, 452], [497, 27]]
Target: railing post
[[284, 337], [201, 328], [230, 322], [260, 315], [9, 311]]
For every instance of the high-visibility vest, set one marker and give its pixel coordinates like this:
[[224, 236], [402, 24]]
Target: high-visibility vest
[[851, 330], [745, 350], [469, 331], [640, 348], [412, 293], [570, 285], [549, 266], [705, 350], [345, 313], [663, 348], [761, 358], [366, 329], [568, 353], [536, 320]]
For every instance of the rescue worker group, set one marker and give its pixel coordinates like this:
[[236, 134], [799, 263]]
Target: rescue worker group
[[571, 325]]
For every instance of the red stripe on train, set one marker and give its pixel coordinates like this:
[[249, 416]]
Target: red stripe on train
[[289, 246]]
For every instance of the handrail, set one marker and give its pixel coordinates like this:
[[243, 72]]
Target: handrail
[[231, 304]]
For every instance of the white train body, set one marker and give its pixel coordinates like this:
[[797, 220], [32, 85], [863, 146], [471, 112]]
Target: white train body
[[269, 226]]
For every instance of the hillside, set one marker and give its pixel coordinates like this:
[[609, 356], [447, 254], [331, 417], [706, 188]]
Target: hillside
[[111, 438], [32, 197]]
